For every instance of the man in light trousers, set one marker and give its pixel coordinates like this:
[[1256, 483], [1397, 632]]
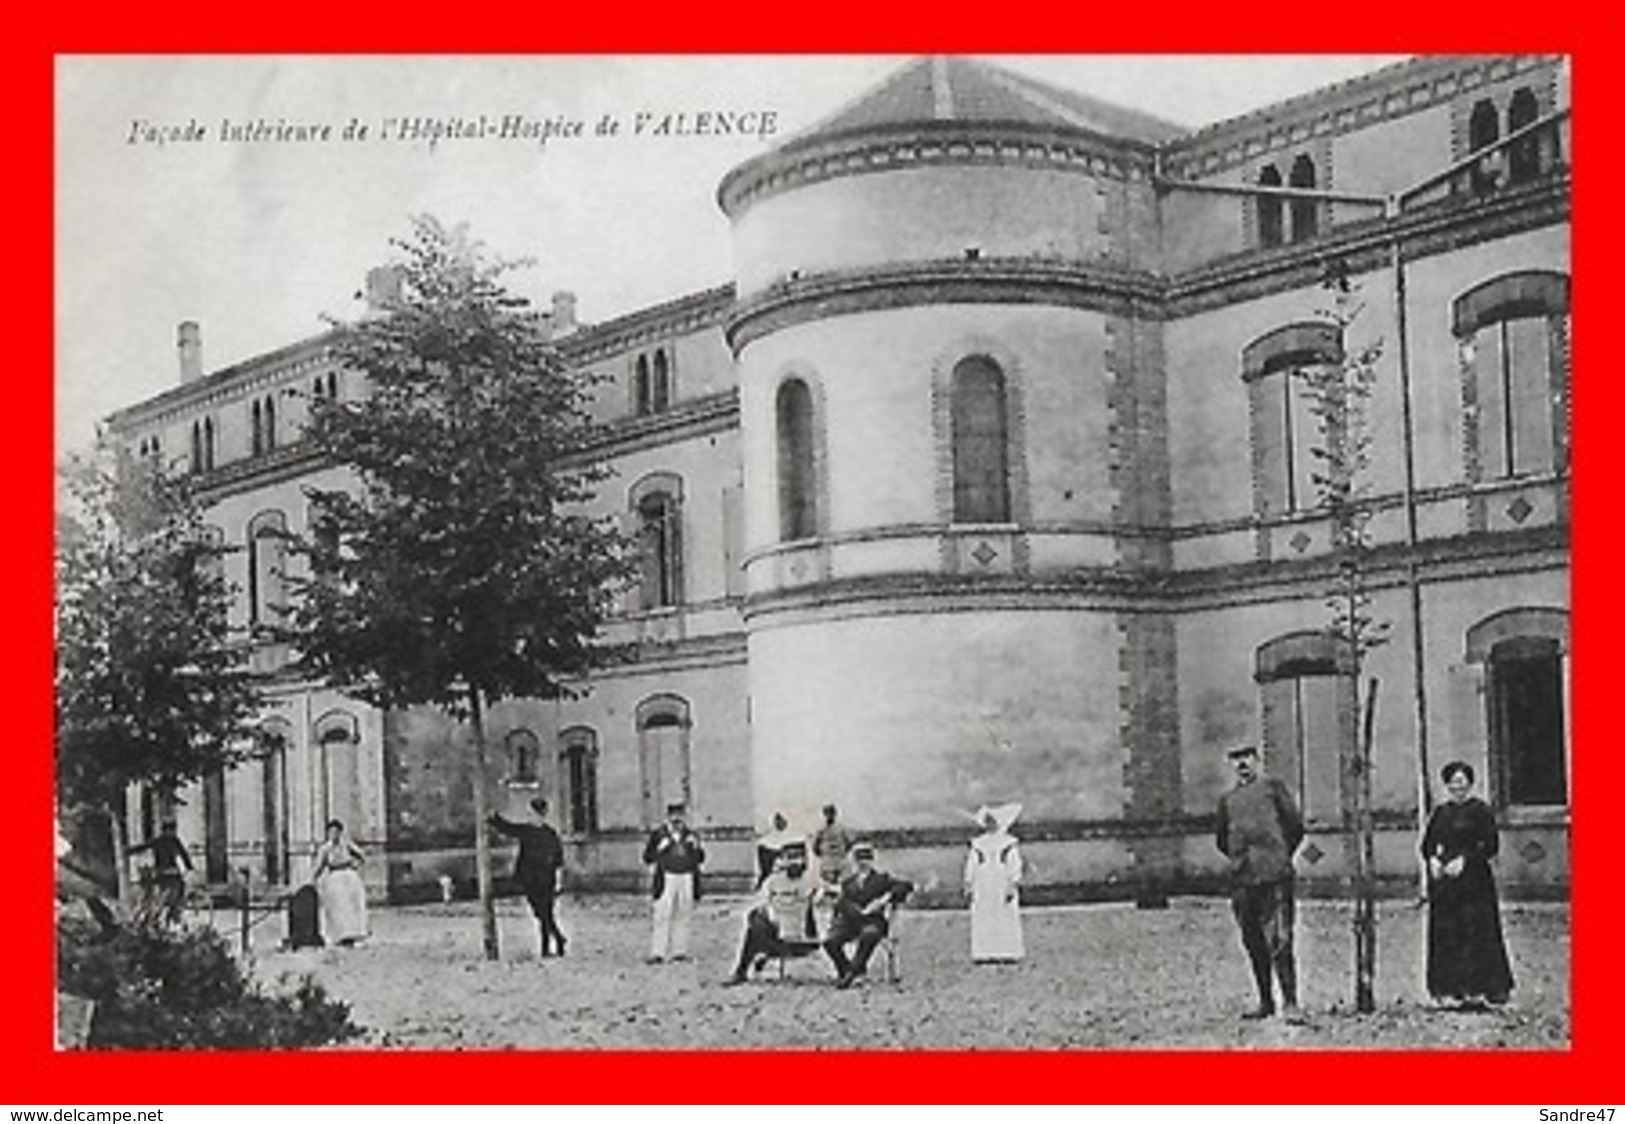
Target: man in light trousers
[[676, 855]]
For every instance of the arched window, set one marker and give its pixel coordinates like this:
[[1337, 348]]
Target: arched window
[[981, 442], [1483, 130], [1305, 212], [338, 744], [1284, 429], [1269, 208], [203, 445], [660, 382], [1523, 156], [262, 423], [1511, 332], [660, 548], [1307, 718], [1524, 653], [524, 757], [798, 508], [663, 750], [267, 569], [578, 766], [641, 401], [325, 387], [216, 828], [273, 739]]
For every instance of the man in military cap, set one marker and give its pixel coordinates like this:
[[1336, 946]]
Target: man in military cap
[[831, 842], [541, 857], [860, 914], [1259, 829], [780, 916], [676, 855]]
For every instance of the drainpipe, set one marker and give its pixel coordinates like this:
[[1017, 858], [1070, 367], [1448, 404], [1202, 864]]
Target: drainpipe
[[1413, 582]]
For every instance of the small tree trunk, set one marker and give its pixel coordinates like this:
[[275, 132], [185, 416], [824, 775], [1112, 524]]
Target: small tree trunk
[[1365, 910], [482, 847]]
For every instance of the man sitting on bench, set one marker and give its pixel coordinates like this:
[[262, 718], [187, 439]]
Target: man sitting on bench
[[780, 920], [860, 914]]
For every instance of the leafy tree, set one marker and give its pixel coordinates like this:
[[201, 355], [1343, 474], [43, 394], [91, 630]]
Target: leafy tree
[[1339, 398], [149, 685], [460, 569]]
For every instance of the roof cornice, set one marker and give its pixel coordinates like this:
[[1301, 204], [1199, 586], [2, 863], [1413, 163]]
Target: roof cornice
[[1393, 91], [924, 144], [1060, 282], [228, 383], [675, 317]]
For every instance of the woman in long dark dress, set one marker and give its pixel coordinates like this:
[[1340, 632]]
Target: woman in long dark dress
[[1467, 958]]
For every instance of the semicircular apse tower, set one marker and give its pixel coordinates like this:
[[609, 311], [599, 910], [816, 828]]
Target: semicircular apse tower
[[955, 465]]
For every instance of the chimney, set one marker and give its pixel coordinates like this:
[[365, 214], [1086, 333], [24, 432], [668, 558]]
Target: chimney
[[562, 320], [189, 345], [383, 288]]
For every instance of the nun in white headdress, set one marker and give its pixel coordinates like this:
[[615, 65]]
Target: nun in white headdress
[[993, 878]]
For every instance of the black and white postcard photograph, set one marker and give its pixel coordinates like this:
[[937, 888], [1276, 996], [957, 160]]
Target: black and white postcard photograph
[[820, 552]]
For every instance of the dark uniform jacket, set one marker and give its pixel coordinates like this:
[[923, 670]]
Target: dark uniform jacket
[[862, 898], [1259, 828], [682, 855], [541, 851]]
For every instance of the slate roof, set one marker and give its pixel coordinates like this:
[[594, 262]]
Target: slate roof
[[951, 88]]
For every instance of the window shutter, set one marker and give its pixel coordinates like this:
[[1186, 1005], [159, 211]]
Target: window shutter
[[733, 540]]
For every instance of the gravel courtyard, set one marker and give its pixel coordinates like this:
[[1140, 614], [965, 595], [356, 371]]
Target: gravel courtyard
[[1095, 976]]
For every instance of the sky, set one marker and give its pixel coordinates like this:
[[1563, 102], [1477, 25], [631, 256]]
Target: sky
[[258, 239]]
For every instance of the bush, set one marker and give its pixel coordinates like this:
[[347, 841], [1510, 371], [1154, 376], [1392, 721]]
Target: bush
[[160, 988]]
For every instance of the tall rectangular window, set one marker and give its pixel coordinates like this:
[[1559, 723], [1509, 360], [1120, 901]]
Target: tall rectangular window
[[1284, 429], [1526, 721], [581, 785], [798, 512], [1302, 722], [659, 549], [664, 760], [1271, 225], [980, 442], [1510, 332], [1288, 432], [524, 757], [1305, 212], [1523, 157], [1515, 418], [1483, 130], [267, 569]]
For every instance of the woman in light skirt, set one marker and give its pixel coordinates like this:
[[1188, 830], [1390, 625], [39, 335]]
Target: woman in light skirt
[[339, 887]]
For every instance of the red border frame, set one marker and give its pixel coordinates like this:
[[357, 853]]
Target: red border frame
[[33, 1071]]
